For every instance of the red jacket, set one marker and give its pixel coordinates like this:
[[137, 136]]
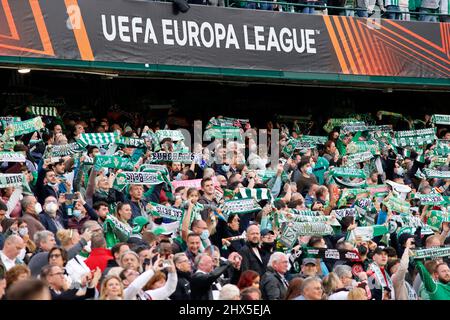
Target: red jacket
[[98, 258]]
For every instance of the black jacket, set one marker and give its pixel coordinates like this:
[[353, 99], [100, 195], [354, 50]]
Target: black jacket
[[48, 222], [71, 294], [251, 262], [183, 290], [201, 283], [272, 286]]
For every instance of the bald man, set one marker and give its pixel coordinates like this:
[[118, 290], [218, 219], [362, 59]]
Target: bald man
[[11, 250], [252, 256]]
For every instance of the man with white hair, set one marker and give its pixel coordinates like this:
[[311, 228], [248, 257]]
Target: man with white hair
[[273, 283], [311, 289], [11, 249], [229, 292]]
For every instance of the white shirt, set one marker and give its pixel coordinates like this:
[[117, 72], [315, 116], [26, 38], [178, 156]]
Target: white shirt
[[7, 262]]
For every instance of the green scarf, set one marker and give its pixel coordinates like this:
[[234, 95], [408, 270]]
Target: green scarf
[[167, 212], [397, 204], [174, 135], [433, 199], [145, 178], [436, 218], [431, 253], [363, 146], [443, 119], [227, 122], [62, 150], [185, 157], [240, 206], [11, 180], [44, 111], [12, 157], [97, 139], [113, 162], [430, 173], [337, 122], [228, 133], [355, 158], [130, 142], [27, 126], [115, 231], [258, 194]]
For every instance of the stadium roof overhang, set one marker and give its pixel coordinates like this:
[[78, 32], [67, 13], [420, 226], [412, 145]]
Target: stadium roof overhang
[[111, 70]]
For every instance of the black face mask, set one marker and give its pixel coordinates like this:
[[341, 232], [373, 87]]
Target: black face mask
[[252, 244], [158, 220]]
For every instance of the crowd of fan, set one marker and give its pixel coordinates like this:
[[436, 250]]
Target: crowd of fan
[[71, 232]]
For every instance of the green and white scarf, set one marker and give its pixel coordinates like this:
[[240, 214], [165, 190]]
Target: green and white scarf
[[240, 206], [229, 133], [116, 231], [227, 122], [363, 146], [443, 119], [11, 180], [146, 167], [63, 150], [27, 126], [268, 174], [337, 122], [397, 204], [414, 137], [314, 139], [433, 199], [258, 194], [309, 213], [442, 147], [113, 162], [44, 111], [380, 279], [438, 162], [12, 157], [167, 212], [290, 231], [355, 158], [174, 135], [436, 218], [366, 233], [347, 212], [431, 253], [430, 173], [184, 157], [97, 139], [6, 121], [353, 127], [130, 142], [144, 178]]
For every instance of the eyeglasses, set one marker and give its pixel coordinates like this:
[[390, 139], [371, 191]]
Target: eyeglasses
[[55, 256]]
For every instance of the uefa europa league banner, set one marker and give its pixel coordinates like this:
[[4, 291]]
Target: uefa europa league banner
[[147, 32]]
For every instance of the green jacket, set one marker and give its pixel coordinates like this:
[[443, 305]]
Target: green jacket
[[436, 290]]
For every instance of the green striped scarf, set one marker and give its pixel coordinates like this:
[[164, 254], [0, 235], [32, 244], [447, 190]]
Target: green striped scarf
[[240, 206], [228, 133], [97, 139], [174, 135], [366, 233], [113, 162], [258, 194], [44, 111], [227, 122], [363, 146]]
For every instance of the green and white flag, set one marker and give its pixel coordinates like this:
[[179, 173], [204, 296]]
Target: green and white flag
[[184, 157], [97, 139], [228, 133], [258, 194], [443, 119], [363, 146], [167, 212], [44, 111], [6, 121], [355, 158], [240, 206], [144, 178], [62, 150], [433, 199], [366, 233], [113, 162], [431, 253], [430, 173], [27, 126], [174, 135], [12, 157], [11, 180]]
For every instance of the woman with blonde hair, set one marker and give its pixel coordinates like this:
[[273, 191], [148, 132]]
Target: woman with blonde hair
[[111, 289], [357, 294], [334, 288]]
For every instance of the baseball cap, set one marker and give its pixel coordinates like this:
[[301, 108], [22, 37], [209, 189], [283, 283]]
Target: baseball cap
[[139, 223], [161, 231], [265, 232], [380, 250], [309, 261]]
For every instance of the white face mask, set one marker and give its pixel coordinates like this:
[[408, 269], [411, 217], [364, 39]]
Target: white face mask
[[51, 208], [23, 231], [38, 208], [22, 254]]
